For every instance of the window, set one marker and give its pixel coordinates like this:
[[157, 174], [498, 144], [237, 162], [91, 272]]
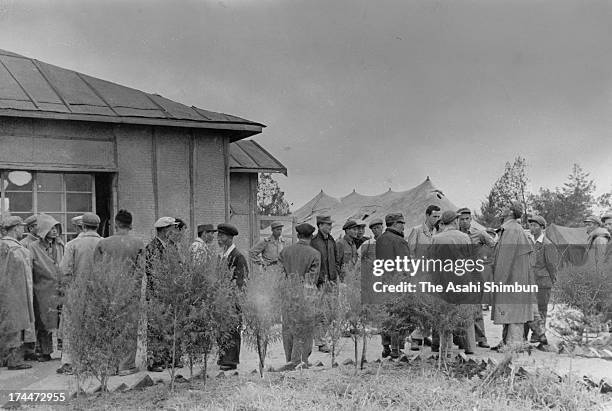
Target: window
[[61, 195]]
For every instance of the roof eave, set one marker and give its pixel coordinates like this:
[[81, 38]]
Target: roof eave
[[245, 129], [258, 170]]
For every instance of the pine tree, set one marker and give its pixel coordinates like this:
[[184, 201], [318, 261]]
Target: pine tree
[[270, 198]]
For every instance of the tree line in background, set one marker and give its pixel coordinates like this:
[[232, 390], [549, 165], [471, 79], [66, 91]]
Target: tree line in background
[[567, 205]]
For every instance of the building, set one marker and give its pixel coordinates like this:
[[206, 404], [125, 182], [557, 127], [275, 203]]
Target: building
[[71, 143]]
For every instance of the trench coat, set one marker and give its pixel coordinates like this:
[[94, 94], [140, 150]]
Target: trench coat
[[15, 297], [512, 264], [46, 272]]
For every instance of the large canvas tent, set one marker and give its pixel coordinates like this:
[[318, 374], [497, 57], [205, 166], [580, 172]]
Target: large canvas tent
[[571, 242], [412, 203]]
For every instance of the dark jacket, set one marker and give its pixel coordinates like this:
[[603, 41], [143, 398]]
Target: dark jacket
[[545, 261], [391, 244], [237, 263], [330, 261]]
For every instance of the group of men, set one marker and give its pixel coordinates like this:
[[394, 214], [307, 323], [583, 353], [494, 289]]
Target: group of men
[[37, 263], [37, 268]]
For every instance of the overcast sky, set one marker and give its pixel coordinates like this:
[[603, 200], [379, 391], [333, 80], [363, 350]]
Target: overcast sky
[[361, 94]]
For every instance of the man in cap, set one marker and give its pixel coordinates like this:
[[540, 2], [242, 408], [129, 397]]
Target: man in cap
[[77, 225], [302, 260], [237, 264], [367, 250], [160, 249], [597, 242], [16, 303], [512, 266], [30, 230], [78, 261], [360, 236], [266, 251], [331, 264], [390, 245], [452, 244], [202, 247], [347, 248], [545, 260], [47, 253], [483, 247], [122, 248]]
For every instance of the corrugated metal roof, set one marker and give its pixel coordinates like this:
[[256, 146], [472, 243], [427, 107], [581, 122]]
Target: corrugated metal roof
[[249, 157], [31, 88]]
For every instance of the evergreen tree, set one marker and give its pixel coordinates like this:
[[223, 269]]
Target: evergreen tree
[[270, 198]]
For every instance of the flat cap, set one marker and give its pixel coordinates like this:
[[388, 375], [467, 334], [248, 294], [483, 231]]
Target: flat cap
[[448, 216], [206, 227], [606, 216], [324, 219], [393, 218], [228, 229], [276, 224], [90, 219], [164, 222], [464, 210], [592, 219], [350, 224], [31, 220], [305, 229], [12, 221], [78, 220], [375, 221], [537, 219]]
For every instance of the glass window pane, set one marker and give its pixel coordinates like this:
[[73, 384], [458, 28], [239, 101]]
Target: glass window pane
[[18, 181], [16, 202], [49, 182], [78, 202], [49, 202], [77, 182]]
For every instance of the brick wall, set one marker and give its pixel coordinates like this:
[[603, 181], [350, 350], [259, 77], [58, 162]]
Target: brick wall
[[209, 183]]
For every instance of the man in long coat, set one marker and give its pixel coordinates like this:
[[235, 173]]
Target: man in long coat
[[77, 261], [47, 253], [126, 249], [331, 264], [303, 260], [390, 245], [16, 306], [512, 265], [237, 264]]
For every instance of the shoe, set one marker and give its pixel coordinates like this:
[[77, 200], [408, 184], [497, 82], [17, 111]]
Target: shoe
[[386, 351], [324, 348], [469, 352], [129, 371], [44, 358], [65, 369], [30, 357], [497, 347], [395, 353], [228, 367], [483, 345], [21, 366]]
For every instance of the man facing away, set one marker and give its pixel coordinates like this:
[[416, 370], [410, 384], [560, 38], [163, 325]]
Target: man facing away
[[77, 261], [512, 266], [390, 245], [265, 252], [330, 266], [237, 265], [305, 261], [15, 292], [47, 253], [122, 248], [483, 245], [598, 238]]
